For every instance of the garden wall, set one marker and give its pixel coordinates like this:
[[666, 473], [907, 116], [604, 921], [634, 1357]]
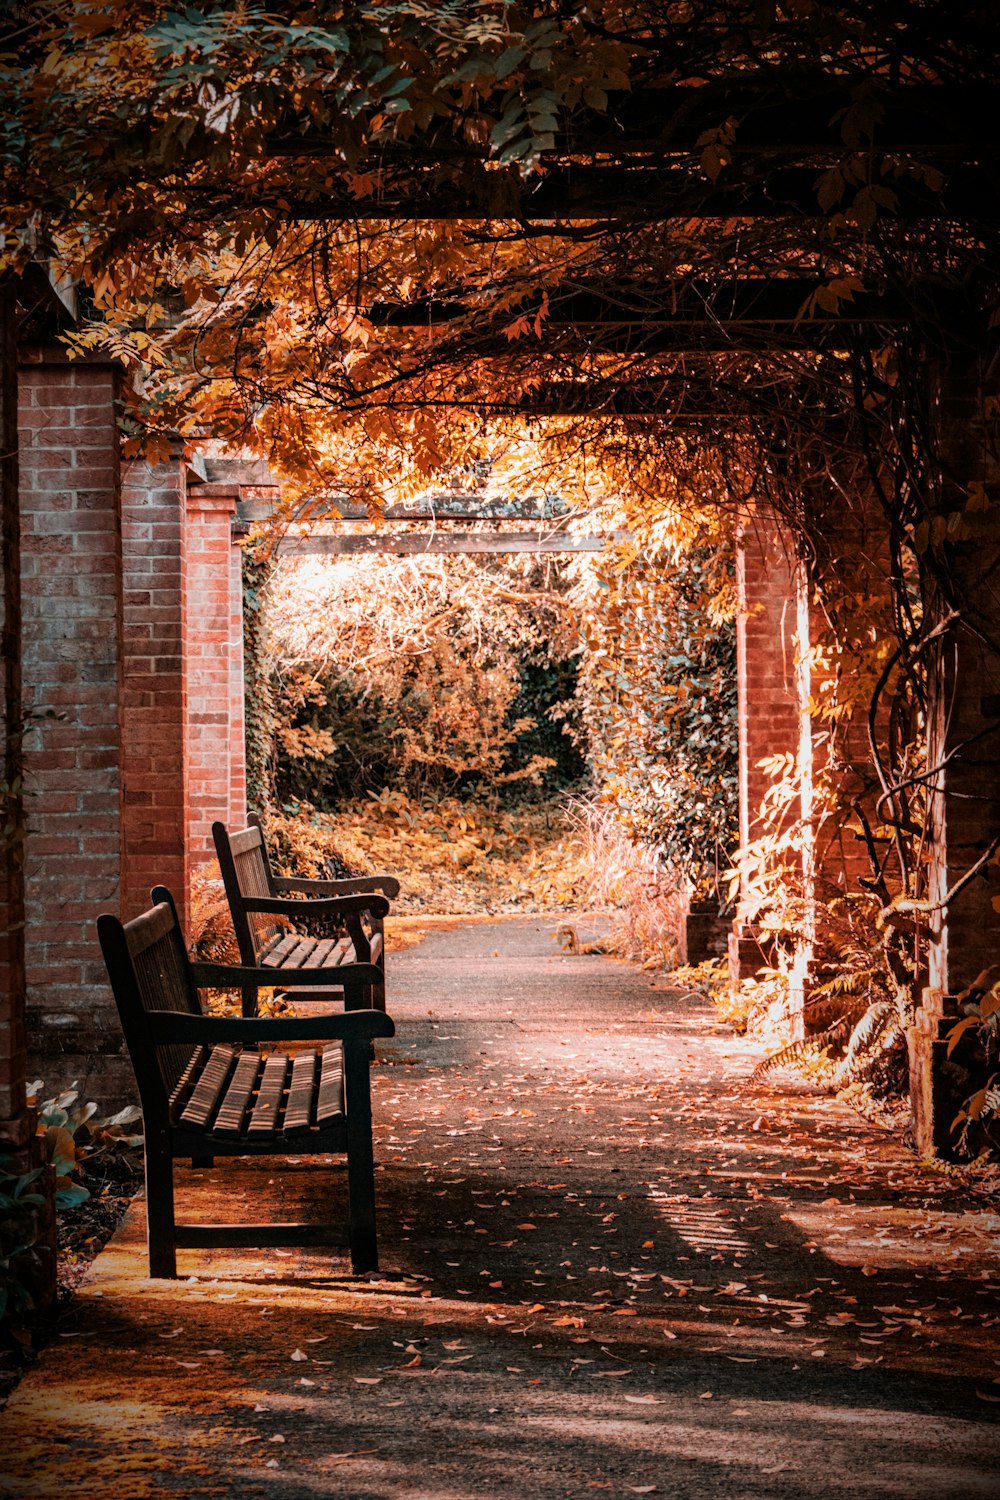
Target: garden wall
[[132, 658]]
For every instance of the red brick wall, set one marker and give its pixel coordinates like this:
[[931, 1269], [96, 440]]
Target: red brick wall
[[153, 768], [71, 562], [133, 638], [237, 726], [213, 664], [772, 642], [964, 692], [963, 716], [771, 587], [15, 1124]]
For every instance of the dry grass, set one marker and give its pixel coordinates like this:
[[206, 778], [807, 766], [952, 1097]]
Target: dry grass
[[472, 861], [452, 858]]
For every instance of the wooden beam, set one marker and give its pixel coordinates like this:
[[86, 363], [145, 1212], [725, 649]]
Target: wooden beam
[[764, 303], [778, 111], [641, 191], [440, 507], [442, 543]]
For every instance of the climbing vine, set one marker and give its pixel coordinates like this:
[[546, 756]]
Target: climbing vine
[[259, 702], [658, 684]]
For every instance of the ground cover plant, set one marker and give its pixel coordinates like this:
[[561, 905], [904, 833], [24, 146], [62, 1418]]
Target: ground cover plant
[[453, 856], [95, 1164]]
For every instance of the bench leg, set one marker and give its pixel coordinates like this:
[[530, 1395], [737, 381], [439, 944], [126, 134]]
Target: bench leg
[[160, 1233], [360, 1159]]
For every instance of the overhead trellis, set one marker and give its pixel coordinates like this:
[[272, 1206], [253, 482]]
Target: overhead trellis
[[322, 538]]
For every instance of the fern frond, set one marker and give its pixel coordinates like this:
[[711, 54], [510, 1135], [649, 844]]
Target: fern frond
[[804, 1047], [878, 1028]]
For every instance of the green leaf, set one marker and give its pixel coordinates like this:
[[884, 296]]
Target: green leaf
[[509, 59]]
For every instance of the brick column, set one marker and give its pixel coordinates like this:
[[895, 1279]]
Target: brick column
[[16, 1122], [773, 695], [154, 772], [237, 688], [213, 668], [71, 559], [19, 1141], [963, 743]]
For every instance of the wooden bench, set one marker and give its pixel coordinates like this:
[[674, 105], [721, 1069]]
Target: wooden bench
[[211, 1086], [285, 925]]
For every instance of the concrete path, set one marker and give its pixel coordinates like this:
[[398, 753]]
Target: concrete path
[[607, 1269]]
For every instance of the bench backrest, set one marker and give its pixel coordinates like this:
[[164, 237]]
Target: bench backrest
[[149, 969], [246, 875]]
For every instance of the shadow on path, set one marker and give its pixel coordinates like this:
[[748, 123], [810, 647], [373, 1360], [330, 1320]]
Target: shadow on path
[[607, 1267]]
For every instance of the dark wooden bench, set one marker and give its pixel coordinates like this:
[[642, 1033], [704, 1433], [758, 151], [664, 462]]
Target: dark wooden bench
[[285, 925], [212, 1086]]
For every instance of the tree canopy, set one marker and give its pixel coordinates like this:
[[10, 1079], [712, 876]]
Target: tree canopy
[[325, 228]]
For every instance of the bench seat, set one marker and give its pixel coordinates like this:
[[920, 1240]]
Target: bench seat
[[250, 1086], [285, 924]]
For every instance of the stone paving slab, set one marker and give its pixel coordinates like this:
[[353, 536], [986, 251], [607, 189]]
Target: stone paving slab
[[607, 1268]]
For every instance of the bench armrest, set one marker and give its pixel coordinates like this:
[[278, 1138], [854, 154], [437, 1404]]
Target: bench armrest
[[388, 885], [334, 906], [238, 976], [351, 1025]]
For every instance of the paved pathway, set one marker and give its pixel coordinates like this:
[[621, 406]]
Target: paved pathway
[[607, 1268]]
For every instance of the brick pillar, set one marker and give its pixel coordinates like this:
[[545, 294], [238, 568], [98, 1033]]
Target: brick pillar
[[963, 742], [237, 688], [773, 695], [213, 661], [19, 1140], [154, 773], [15, 1126], [71, 559]]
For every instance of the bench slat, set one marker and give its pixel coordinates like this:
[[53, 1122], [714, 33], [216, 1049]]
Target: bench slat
[[202, 1102], [185, 1083], [302, 955], [278, 951], [331, 1086], [264, 1120], [232, 1111], [301, 1095], [324, 955]]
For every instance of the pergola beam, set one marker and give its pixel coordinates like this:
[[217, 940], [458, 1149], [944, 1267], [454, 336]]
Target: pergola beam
[[640, 191], [442, 543], [441, 507], [764, 304], [642, 156], [775, 113]]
